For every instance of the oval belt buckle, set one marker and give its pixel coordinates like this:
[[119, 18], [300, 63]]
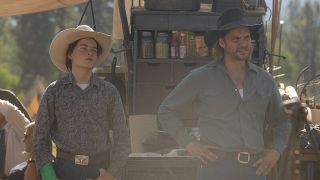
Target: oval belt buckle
[[244, 157], [81, 160]]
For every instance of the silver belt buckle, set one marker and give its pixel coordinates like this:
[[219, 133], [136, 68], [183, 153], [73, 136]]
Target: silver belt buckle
[[81, 160]]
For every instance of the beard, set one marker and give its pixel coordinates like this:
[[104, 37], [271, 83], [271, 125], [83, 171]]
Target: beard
[[243, 54]]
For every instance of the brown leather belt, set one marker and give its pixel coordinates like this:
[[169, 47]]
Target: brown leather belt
[[101, 159], [243, 157]]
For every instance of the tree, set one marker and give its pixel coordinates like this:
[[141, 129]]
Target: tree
[[303, 38], [33, 35], [8, 67]]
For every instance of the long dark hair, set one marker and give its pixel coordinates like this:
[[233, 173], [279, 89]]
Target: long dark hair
[[218, 51]]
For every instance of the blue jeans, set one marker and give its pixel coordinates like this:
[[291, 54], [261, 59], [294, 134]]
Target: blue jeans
[[68, 170], [227, 170]]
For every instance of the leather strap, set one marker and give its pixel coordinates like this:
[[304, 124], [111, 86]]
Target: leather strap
[[241, 156], [101, 159]]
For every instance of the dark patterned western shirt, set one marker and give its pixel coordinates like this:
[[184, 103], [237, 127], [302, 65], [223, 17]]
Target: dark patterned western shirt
[[78, 121]]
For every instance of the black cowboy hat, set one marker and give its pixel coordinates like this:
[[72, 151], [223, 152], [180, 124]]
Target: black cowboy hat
[[229, 19]]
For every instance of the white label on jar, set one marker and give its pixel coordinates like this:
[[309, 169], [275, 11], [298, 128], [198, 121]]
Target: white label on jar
[[183, 51]]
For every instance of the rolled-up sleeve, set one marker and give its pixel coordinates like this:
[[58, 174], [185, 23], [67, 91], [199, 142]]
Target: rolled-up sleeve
[[174, 105]]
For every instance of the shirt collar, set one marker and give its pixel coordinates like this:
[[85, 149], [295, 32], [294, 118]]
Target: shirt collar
[[70, 80], [219, 64]]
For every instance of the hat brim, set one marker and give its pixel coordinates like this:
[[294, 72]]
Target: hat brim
[[60, 43], [211, 37]]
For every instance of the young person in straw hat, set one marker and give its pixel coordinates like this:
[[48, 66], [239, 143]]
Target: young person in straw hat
[[77, 111], [233, 99]]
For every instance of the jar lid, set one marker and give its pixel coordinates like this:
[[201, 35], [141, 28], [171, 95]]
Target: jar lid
[[146, 33], [162, 34]]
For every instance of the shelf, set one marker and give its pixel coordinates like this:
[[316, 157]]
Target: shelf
[[185, 61], [202, 11], [202, 20]]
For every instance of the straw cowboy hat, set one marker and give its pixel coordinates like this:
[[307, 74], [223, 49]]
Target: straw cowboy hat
[[60, 43], [229, 19]]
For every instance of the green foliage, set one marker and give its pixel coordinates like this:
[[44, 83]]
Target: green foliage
[[34, 32], [33, 36], [8, 80], [8, 68], [303, 35], [288, 65]]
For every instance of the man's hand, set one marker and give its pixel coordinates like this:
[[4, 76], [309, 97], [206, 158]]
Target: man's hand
[[203, 152], [266, 162], [105, 175]]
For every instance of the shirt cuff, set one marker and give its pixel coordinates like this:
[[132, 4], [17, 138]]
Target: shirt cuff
[[183, 138], [278, 146]]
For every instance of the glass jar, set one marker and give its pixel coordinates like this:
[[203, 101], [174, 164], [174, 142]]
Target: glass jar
[[162, 46], [174, 45], [147, 45], [183, 45], [191, 45]]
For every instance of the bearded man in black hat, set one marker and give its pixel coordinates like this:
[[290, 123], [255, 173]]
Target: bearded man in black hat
[[233, 99]]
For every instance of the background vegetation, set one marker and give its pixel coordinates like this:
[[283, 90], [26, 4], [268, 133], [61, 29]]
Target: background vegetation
[[24, 41]]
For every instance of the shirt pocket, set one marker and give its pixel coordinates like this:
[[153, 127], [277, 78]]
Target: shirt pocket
[[214, 100], [258, 103]]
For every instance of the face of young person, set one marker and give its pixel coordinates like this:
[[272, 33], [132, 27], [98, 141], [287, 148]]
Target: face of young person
[[237, 44], [84, 55]]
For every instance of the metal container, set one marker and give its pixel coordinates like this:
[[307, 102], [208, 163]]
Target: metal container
[[147, 45], [162, 45], [222, 5], [172, 5]]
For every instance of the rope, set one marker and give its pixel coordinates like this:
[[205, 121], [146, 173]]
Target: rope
[[92, 13]]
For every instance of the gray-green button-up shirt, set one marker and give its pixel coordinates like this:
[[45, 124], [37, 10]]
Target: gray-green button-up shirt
[[78, 121], [224, 118]]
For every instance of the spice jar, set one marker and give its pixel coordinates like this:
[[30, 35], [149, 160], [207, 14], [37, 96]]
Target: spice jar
[[183, 45], [162, 46], [147, 45], [201, 48], [174, 45], [191, 45]]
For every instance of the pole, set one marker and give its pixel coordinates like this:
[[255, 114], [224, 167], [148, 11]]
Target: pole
[[280, 40]]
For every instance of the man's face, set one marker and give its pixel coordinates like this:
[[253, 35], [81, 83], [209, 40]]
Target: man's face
[[237, 44], [2, 121], [84, 54]]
